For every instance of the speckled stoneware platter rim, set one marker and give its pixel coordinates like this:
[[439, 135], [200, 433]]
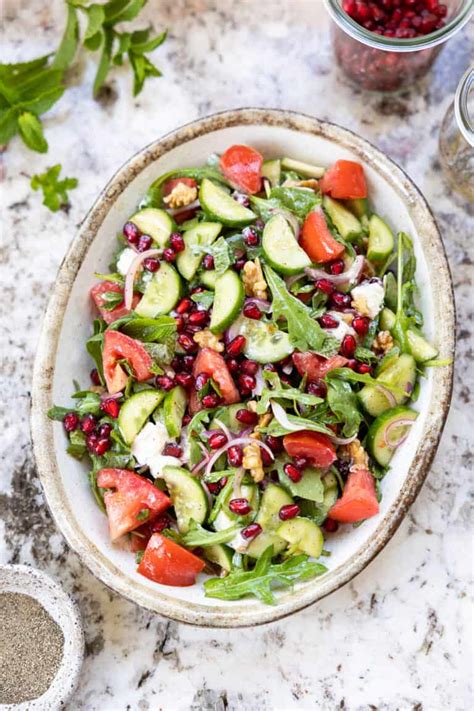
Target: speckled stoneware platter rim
[[42, 428], [40, 586]]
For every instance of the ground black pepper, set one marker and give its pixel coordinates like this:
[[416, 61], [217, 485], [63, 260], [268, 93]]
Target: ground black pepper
[[31, 648]]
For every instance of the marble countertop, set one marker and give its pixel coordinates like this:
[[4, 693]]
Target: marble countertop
[[398, 636]]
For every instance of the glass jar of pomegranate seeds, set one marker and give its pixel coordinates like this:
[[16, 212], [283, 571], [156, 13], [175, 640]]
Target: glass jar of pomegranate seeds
[[456, 138], [386, 45]]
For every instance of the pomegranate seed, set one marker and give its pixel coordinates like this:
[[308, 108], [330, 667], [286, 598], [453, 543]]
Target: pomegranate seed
[[247, 417], [361, 324], [192, 328], [172, 450], [249, 366], [301, 462], [328, 321], [105, 430], [211, 400], [177, 242], [188, 362], [292, 473], [235, 455], [88, 424], [217, 440], [103, 444], [352, 364], [318, 388], [151, 264], [247, 382], [186, 419], [131, 232], [144, 243], [201, 380], [95, 377], [275, 443], [267, 459], [330, 525], [91, 442], [241, 198], [186, 380], [363, 368], [239, 264], [208, 261], [289, 511], [324, 285], [177, 364], [111, 407], [215, 486], [184, 306], [198, 318], [251, 310], [250, 237], [164, 382], [236, 346], [348, 346], [336, 267], [160, 523], [186, 342], [241, 507], [252, 530], [233, 365], [70, 422], [169, 254], [340, 299]]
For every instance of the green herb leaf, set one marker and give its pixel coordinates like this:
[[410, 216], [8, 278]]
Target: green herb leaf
[[8, 124], [55, 191], [343, 402], [351, 376], [67, 49], [223, 258], [143, 515], [298, 424], [77, 444], [299, 201], [104, 61], [278, 391], [95, 19], [142, 69], [88, 403], [58, 413], [150, 330], [205, 298], [365, 355], [198, 536], [31, 131]]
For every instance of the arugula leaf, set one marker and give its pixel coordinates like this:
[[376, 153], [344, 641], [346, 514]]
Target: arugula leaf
[[55, 191], [198, 536], [57, 413], [263, 578], [220, 499], [223, 258], [407, 315], [88, 403], [298, 424], [352, 376], [205, 298], [343, 402], [278, 391], [77, 444], [305, 333]]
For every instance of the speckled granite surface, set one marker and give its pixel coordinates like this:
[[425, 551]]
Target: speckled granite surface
[[399, 636]]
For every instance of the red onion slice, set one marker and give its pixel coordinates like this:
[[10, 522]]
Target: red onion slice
[[224, 428], [108, 396], [263, 305], [397, 423], [343, 440], [351, 275], [178, 210], [282, 418], [388, 394], [131, 274], [233, 443]]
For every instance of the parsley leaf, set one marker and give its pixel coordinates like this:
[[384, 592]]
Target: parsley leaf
[[55, 191], [223, 258]]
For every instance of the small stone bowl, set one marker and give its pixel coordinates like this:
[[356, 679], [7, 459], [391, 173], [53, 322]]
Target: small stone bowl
[[29, 581]]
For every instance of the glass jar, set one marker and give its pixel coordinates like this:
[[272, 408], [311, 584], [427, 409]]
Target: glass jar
[[379, 63], [456, 138]]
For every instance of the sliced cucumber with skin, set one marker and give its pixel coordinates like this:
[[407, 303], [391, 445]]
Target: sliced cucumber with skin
[[136, 410], [188, 497], [387, 360], [264, 342], [420, 349], [218, 205], [381, 240], [391, 291], [274, 497], [220, 555], [387, 319], [203, 235], [303, 536], [307, 170], [331, 491], [228, 299], [402, 374], [281, 248], [347, 224], [386, 431], [309, 487], [358, 206], [162, 293], [156, 223], [271, 169], [208, 277], [174, 407]]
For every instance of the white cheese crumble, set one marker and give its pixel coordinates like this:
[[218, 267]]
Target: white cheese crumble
[[148, 445], [238, 542], [342, 329], [368, 298], [125, 260]]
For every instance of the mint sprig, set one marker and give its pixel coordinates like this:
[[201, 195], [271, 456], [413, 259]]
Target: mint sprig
[[55, 191]]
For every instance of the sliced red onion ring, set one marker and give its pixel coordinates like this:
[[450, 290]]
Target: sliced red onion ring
[[343, 440], [235, 442], [388, 394], [108, 396], [208, 494], [224, 428], [132, 271], [259, 383], [200, 465], [262, 304], [397, 423], [351, 275], [178, 210], [282, 418]]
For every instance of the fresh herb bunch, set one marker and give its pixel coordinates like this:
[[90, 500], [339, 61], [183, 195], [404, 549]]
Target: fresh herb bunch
[[55, 191]]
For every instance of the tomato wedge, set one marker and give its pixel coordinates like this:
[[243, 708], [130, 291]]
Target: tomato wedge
[[213, 364], [345, 180], [358, 500], [118, 346], [317, 240], [242, 166], [133, 500], [168, 563], [315, 366], [120, 310], [314, 445]]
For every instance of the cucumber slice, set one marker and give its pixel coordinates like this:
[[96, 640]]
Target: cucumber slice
[[390, 286], [402, 374], [386, 431], [358, 206], [303, 536], [302, 168], [281, 248], [331, 491], [271, 169], [309, 487], [135, 411], [208, 278], [228, 300], [162, 292], [219, 205], [387, 360], [381, 240], [226, 415], [264, 342], [174, 407], [344, 221], [420, 348], [219, 554], [387, 319], [154, 222], [203, 235], [274, 497], [225, 518], [188, 497]]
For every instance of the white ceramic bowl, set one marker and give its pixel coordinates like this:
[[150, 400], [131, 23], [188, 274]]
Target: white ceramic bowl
[[61, 356]]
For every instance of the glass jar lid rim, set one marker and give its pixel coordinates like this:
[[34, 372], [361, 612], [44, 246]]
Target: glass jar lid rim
[[462, 110]]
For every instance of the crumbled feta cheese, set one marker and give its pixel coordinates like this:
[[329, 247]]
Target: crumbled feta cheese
[[125, 260], [343, 329], [148, 445], [238, 542], [368, 298]]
